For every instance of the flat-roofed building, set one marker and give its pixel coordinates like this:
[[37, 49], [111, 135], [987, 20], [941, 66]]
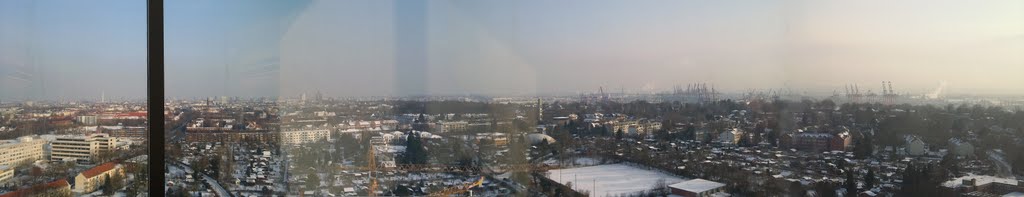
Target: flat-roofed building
[[81, 148], [304, 135], [6, 173], [229, 136], [21, 151], [453, 126], [126, 132], [87, 120], [697, 188]]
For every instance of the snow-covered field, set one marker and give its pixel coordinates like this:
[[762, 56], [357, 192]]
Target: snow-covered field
[[611, 179], [981, 180]]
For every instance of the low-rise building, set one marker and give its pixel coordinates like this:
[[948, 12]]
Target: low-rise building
[[54, 188], [500, 139], [982, 185], [92, 179], [697, 188], [808, 141], [914, 146], [841, 142], [730, 137], [961, 148]]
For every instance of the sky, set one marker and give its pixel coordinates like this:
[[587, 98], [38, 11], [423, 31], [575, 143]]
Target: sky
[[72, 50], [269, 48]]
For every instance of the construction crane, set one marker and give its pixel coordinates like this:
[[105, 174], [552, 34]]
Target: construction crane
[[458, 189], [372, 169]]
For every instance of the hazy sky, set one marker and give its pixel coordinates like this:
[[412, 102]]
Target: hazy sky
[[53, 49], [354, 48], [362, 48]]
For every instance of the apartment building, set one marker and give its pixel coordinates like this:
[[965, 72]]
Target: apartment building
[[453, 126], [6, 173], [21, 151], [53, 188], [304, 135], [81, 148]]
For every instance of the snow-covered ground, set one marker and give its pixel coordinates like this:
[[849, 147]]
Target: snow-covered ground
[[611, 179], [174, 167], [981, 180]]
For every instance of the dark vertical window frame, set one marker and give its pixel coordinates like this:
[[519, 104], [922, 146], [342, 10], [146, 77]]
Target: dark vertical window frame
[[155, 94]]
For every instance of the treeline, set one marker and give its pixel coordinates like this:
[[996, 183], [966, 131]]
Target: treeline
[[457, 107]]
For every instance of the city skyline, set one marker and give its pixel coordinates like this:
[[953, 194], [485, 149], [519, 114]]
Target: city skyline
[[511, 98]]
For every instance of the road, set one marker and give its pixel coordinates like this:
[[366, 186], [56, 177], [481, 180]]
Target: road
[[1005, 170], [217, 188], [177, 131]]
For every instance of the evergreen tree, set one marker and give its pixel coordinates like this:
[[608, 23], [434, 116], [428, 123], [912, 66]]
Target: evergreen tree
[[918, 181], [864, 147], [851, 184], [215, 166], [108, 187], [869, 180], [402, 190], [312, 182], [825, 189], [745, 141], [415, 152]]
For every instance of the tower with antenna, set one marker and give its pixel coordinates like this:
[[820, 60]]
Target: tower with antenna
[[540, 111]]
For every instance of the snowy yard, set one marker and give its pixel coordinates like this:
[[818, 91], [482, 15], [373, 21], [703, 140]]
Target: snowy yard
[[611, 179]]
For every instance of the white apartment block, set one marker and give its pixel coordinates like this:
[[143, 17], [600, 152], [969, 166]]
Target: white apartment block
[[81, 148], [6, 173], [87, 120], [453, 126], [305, 135], [24, 150]]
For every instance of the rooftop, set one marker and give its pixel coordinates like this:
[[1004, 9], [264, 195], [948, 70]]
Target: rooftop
[[610, 179], [697, 185], [29, 191], [99, 169], [981, 180]]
